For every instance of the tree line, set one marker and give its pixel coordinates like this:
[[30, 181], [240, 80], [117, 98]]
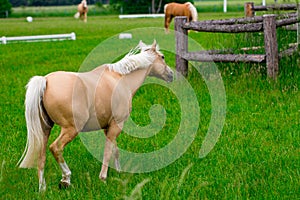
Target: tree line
[[16, 3], [144, 6], [125, 6]]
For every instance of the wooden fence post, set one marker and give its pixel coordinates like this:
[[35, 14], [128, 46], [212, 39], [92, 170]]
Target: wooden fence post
[[298, 26], [271, 46], [181, 45], [249, 9]]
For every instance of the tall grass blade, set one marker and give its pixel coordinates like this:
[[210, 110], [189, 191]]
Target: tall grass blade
[[136, 193], [183, 176]]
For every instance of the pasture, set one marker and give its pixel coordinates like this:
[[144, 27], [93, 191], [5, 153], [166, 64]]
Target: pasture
[[256, 156]]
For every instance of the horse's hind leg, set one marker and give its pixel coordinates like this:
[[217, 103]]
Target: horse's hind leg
[[168, 19], [166, 23], [42, 161], [66, 136]]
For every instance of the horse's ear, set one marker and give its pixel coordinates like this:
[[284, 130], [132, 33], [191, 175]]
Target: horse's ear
[[153, 47], [142, 44]]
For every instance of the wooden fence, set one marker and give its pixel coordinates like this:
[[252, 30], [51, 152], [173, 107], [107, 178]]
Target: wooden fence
[[250, 8], [266, 24]]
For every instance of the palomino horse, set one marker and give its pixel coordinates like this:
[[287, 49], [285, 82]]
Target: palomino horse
[[82, 11], [83, 102], [176, 9]]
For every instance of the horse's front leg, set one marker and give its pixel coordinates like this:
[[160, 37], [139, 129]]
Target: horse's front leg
[[116, 154], [110, 145], [85, 17]]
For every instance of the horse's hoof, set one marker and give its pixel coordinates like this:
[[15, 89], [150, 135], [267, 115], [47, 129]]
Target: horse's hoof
[[103, 181], [103, 178], [63, 185]]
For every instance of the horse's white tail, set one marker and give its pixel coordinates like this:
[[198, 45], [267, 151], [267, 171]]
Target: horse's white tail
[[77, 15], [165, 8], [33, 110], [193, 11]]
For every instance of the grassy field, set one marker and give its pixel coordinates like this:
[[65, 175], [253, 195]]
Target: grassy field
[[256, 156]]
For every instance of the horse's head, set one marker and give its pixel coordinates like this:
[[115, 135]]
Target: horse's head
[[159, 68], [84, 3]]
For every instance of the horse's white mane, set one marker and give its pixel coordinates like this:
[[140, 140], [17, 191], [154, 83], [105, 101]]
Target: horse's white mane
[[137, 58], [193, 11]]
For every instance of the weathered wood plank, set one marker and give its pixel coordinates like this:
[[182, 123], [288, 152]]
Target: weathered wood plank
[[236, 28], [288, 52], [245, 20], [285, 22], [181, 45], [234, 21], [298, 25], [204, 57], [276, 7], [271, 46]]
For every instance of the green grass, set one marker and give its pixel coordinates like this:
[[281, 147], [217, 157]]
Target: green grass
[[256, 157]]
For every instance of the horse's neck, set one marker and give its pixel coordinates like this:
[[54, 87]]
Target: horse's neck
[[131, 81], [135, 79]]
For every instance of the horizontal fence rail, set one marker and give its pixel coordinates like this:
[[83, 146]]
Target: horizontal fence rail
[[250, 8], [231, 27], [35, 38], [204, 57], [275, 7], [246, 20], [236, 28]]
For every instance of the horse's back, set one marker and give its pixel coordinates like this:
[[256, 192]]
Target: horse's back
[[60, 86], [177, 9], [86, 100], [59, 99]]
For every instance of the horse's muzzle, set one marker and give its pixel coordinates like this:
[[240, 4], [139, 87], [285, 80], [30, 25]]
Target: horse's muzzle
[[170, 76]]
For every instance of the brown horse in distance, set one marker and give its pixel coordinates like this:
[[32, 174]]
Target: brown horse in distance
[[82, 11], [172, 10]]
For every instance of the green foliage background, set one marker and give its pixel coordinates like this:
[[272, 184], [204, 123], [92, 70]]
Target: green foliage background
[[5, 6], [142, 6]]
